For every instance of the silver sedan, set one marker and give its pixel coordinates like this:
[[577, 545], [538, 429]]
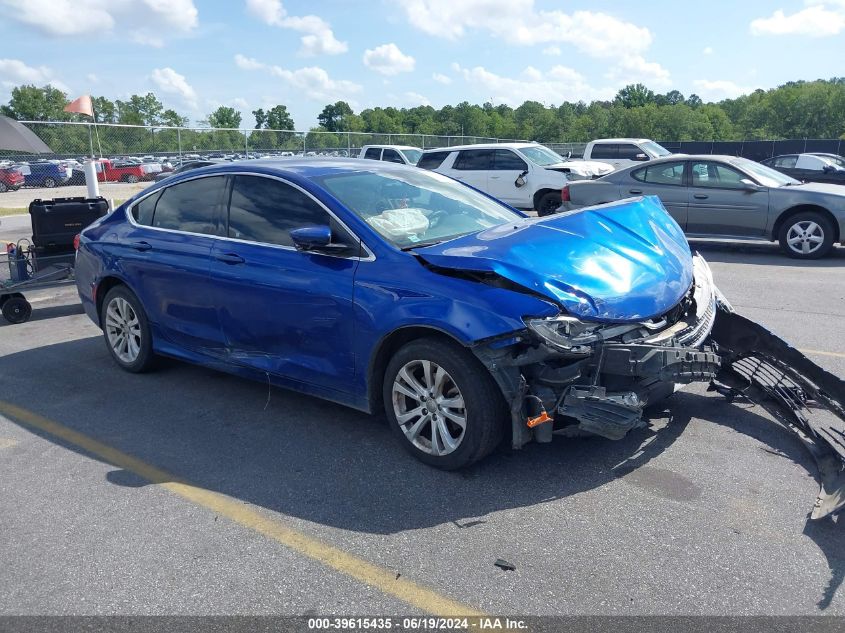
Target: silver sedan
[[728, 197]]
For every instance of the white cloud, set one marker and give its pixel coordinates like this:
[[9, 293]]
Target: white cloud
[[635, 69], [416, 99], [519, 22], [92, 78], [707, 51], [14, 72], [817, 20], [554, 86], [387, 59], [715, 90], [313, 82], [170, 82], [552, 51], [318, 36], [148, 21], [442, 79]]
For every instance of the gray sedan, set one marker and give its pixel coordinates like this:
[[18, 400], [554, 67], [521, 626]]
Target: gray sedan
[[728, 197]]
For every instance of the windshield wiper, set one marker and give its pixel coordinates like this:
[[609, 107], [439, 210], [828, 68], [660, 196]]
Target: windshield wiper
[[411, 247]]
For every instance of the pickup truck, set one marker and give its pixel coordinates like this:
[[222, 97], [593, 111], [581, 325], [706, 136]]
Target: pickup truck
[[108, 171], [624, 152]]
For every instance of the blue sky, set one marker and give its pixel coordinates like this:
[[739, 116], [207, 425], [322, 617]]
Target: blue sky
[[199, 54]]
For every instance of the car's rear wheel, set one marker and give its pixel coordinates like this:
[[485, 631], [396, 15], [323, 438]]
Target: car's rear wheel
[[126, 330], [443, 404], [131, 178], [806, 235], [49, 182], [548, 203]]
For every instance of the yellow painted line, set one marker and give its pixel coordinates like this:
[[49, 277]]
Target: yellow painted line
[[382, 579], [821, 353]]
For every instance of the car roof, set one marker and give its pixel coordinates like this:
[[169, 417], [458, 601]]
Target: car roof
[[623, 140], [454, 148], [392, 146], [306, 167]]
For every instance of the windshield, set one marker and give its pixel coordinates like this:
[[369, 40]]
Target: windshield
[[540, 155], [766, 176], [416, 207], [412, 155], [655, 148]]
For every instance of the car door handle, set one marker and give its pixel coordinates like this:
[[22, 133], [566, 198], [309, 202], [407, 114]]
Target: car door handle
[[141, 246], [494, 177], [229, 258], [635, 191], [700, 196]]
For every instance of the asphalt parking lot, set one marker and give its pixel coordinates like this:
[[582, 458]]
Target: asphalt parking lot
[[187, 491]]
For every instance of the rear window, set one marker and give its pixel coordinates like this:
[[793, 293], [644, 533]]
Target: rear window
[[143, 210], [374, 153], [432, 160]]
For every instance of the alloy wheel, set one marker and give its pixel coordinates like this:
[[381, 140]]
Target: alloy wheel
[[123, 330], [805, 237], [429, 407]]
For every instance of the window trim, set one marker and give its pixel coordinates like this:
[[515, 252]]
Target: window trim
[[522, 159], [230, 182]]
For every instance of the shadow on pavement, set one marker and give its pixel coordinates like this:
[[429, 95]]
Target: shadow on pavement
[[761, 254], [327, 464]]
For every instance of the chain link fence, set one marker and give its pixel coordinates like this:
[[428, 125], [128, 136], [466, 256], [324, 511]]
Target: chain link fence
[[77, 140]]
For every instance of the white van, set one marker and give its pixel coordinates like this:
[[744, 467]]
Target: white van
[[523, 175], [392, 153]]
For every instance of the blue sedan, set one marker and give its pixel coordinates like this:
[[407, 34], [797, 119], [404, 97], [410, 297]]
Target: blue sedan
[[398, 290]]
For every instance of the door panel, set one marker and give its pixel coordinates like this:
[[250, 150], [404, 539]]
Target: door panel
[[664, 180], [720, 204], [472, 166], [507, 167]]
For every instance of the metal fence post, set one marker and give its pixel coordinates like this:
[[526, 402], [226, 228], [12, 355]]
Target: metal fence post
[[179, 142]]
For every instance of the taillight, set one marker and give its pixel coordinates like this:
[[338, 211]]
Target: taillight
[[75, 242], [564, 194]]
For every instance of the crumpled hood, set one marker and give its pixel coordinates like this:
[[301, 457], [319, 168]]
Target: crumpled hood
[[583, 167], [625, 261]]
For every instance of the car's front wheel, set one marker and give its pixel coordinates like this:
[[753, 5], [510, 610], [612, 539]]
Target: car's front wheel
[[49, 182], [806, 235], [548, 203], [443, 404], [131, 179], [126, 330]]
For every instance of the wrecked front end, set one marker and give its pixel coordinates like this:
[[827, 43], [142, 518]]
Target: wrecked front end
[[571, 377]]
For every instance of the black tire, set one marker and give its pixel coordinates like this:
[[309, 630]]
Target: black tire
[[16, 309], [486, 414], [3, 187], [795, 228], [49, 182], [548, 203], [145, 359], [131, 178]]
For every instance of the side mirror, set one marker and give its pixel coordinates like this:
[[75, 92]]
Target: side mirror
[[641, 157], [750, 185], [520, 180], [828, 169], [316, 239]]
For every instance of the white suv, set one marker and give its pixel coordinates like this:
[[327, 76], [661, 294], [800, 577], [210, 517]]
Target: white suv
[[523, 175], [392, 153]]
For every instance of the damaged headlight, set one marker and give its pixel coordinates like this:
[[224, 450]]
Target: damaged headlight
[[571, 334], [565, 332]]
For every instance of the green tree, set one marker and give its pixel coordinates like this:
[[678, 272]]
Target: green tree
[[633, 96], [224, 116], [278, 118], [333, 115], [104, 110], [30, 103]]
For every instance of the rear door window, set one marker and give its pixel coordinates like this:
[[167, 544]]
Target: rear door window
[[392, 156], [193, 206], [663, 174], [504, 159], [605, 150], [786, 162], [373, 153], [474, 160]]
